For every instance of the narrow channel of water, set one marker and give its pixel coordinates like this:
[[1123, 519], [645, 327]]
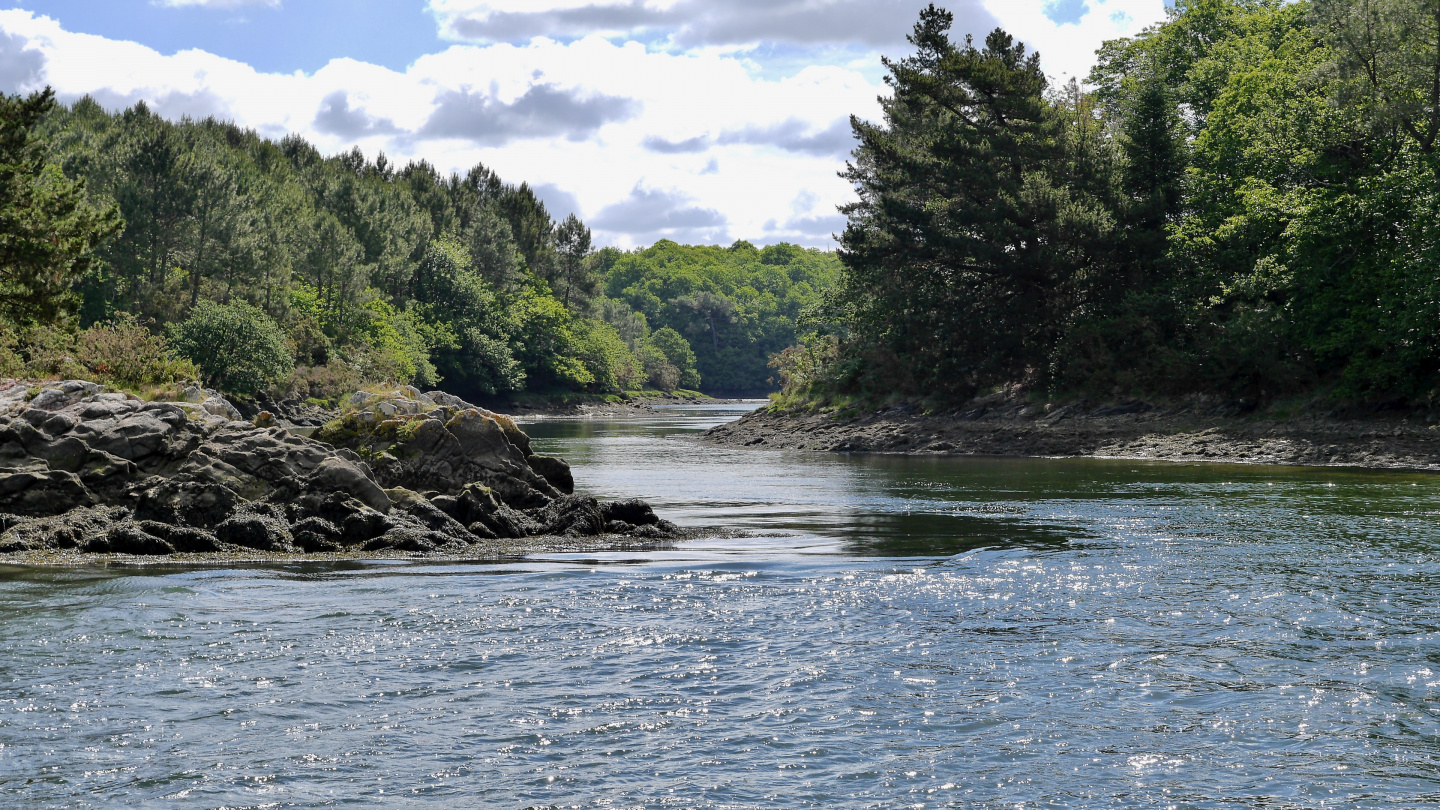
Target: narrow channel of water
[[892, 632]]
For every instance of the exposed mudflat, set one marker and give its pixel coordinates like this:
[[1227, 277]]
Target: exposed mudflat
[[1118, 431]]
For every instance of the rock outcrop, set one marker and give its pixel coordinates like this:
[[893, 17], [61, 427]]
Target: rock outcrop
[[90, 470]]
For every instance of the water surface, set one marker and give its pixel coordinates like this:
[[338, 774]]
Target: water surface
[[894, 632]]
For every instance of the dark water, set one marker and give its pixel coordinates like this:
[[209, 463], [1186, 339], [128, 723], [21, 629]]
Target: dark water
[[900, 633]]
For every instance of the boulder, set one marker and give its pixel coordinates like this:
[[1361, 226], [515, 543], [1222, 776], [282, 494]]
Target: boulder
[[129, 538], [187, 503], [436, 442], [572, 516], [554, 470], [74, 529], [315, 534], [254, 531], [634, 511]]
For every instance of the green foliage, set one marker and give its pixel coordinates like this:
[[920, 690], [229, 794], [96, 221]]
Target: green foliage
[[735, 307], [1247, 204], [382, 273], [984, 216], [678, 353], [237, 347], [607, 358], [125, 353], [121, 352], [49, 227]]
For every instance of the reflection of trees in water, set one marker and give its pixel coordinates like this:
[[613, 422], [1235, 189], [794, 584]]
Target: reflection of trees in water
[[935, 534]]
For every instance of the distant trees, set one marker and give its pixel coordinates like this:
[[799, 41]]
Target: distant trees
[[734, 307], [273, 267]]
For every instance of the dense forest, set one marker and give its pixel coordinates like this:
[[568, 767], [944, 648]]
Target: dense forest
[[141, 251], [1241, 202]]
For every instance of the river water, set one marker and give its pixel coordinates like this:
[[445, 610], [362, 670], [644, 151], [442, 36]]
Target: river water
[[892, 632]]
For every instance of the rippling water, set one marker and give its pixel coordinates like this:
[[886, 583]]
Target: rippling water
[[895, 633]]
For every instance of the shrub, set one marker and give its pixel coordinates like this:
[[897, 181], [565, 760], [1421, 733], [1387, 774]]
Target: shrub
[[327, 383], [10, 363], [677, 350], [659, 371], [238, 348], [604, 353], [125, 353]]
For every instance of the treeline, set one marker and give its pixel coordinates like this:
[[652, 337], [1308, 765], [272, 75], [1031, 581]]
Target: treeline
[[1243, 203], [270, 266]]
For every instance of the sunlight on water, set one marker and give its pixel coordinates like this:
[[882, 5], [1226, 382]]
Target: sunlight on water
[[896, 632]]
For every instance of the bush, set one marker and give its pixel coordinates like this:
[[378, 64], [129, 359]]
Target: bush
[[659, 371], [607, 358], [328, 382], [677, 350], [238, 348], [10, 363], [125, 353]]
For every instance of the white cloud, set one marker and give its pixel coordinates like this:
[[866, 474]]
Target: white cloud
[[569, 118], [698, 143], [1068, 49]]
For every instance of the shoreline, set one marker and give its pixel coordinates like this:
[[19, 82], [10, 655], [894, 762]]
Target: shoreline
[[1131, 431], [490, 554], [633, 408]]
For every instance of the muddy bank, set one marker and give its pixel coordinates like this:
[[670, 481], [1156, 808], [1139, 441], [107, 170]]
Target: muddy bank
[[1130, 430]]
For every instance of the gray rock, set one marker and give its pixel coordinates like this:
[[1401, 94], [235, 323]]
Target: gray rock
[[339, 475], [554, 470], [572, 516], [74, 529], [129, 538], [75, 461], [315, 534], [481, 507], [633, 511], [199, 504], [253, 531], [182, 538]]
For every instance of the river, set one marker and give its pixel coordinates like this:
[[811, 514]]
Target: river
[[890, 632]]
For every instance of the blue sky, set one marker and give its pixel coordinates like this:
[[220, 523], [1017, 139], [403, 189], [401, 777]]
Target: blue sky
[[696, 120]]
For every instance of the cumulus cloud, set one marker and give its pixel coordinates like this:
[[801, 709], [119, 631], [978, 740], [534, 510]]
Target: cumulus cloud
[[172, 104], [337, 118], [544, 111], [693, 23], [790, 135], [645, 142], [648, 215], [559, 202], [795, 135], [699, 143], [1067, 32], [22, 68]]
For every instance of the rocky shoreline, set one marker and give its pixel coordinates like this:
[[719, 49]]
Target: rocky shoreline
[[85, 472], [995, 426]]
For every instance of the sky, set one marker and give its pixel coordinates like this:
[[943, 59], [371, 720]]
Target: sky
[[694, 120]]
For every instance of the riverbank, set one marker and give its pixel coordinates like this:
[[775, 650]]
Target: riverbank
[[610, 407], [1129, 430]]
